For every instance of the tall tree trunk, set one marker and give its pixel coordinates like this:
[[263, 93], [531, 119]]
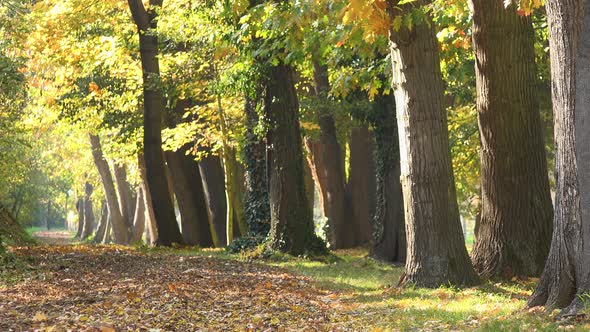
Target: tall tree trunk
[[120, 231], [102, 223], [147, 202], [153, 105], [88, 212], [566, 278], [389, 236], [213, 184], [188, 188], [139, 218], [436, 247], [257, 206], [516, 216], [234, 187], [360, 188], [80, 210], [125, 195], [292, 228], [328, 161]]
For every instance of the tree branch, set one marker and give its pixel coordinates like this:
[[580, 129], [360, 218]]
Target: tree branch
[[139, 14]]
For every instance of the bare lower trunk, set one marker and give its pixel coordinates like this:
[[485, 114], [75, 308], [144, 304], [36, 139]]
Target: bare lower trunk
[[188, 188], [360, 189], [565, 282], [147, 203], [436, 248], [102, 223], [124, 195], [139, 218], [80, 211], [516, 217], [292, 228], [88, 212], [213, 184], [120, 231], [389, 236]]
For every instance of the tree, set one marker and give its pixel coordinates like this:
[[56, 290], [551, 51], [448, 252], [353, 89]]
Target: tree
[[436, 252], [389, 236], [88, 227], [566, 278], [120, 230], [292, 228], [516, 210], [153, 105]]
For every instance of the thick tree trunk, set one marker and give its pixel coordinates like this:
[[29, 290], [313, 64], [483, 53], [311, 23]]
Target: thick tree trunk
[[257, 206], [102, 223], [120, 231], [389, 236], [211, 171], [139, 218], [125, 195], [516, 217], [328, 160], [566, 278], [292, 228], [88, 212], [153, 105], [188, 188], [436, 247]]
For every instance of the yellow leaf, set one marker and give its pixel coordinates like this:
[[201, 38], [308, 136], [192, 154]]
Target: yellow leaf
[[40, 317]]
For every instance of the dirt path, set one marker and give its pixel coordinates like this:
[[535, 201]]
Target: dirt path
[[54, 237], [89, 288]]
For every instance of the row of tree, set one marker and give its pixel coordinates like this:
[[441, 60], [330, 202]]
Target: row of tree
[[197, 96]]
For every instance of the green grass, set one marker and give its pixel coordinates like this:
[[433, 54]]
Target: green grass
[[373, 302]]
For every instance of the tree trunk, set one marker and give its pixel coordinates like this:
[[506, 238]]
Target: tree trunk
[[257, 206], [80, 210], [188, 188], [389, 236], [150, 219], [292, 228], [360, 189], [516, 216], [234, 187], [153, 106], [565, 282], [120, 231], [328, 160], [436, 247], [125, 195], [139, 218], [102, 223], [212, 175], [88, 212]]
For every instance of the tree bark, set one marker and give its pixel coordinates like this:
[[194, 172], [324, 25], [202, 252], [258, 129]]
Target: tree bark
[[147, 202], [292, 228], [566, 278], [88, 212], [80, 210], [139, 218], [516, 217], [257, 206], [125, 196], [389, 236], [436, 247], [188, 188], [328, 160], [120, 231], [102, 224], [153, 105], [212, 175]]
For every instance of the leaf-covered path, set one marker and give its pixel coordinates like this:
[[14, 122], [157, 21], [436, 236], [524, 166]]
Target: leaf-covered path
[[109, 288]]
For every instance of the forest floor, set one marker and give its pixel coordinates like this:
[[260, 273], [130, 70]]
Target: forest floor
[[110, 288]]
